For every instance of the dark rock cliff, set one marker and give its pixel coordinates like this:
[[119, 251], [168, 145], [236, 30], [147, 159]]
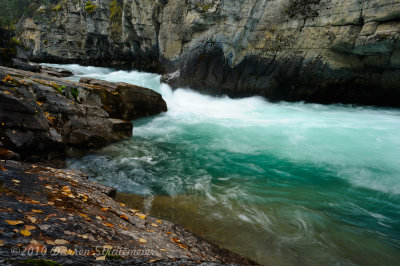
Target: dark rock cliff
[[314, 50]]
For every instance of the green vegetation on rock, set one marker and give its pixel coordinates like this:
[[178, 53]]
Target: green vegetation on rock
[[116, 20], [89, 7]]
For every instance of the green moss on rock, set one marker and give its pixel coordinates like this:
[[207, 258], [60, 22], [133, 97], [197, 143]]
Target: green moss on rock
[[89, 7], [116, 20]]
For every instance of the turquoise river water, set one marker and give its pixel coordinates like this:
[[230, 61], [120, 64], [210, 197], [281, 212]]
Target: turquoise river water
[[280, 183]]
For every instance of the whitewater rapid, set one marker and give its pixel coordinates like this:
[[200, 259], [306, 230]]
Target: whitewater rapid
[[298, 183]]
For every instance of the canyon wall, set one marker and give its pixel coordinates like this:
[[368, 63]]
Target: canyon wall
[[323, 51]]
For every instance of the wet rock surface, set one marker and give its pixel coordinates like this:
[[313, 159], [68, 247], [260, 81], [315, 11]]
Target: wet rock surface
[[40, 115], [59, 216]]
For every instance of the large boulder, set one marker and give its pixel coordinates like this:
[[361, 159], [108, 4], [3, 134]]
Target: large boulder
[[41, 114]]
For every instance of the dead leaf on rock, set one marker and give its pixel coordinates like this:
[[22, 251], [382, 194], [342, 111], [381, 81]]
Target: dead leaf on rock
[[50, 242], [133, 210], [66, 189], [142, 240], [175, 239], [25, 232], [83, 215], [105, 209], [141, 215], [154, 260], [99, 218], [61, 242], [123, 216], [182, 246], [108, 247], [123, 227], [159, 221], [154, 225], [31, 219], [101, 258], [15, 181], [30, 227], [83, 236], [14, 222], [1, 243], [62, 219], [109, 225], [37, 211]]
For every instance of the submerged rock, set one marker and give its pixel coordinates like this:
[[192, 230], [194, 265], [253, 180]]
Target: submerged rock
[[40, 114], [59, 216]]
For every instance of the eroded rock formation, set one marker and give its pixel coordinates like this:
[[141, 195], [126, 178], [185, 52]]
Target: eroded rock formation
[[314, 50], [40, 114]]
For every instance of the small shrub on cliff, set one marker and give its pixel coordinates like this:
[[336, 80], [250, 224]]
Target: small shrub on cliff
[[89, 7], [116, 20]]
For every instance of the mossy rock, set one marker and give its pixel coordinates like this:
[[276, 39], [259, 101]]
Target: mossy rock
[[89, 7]]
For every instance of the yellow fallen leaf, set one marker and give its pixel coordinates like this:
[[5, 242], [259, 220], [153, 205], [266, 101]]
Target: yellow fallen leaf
[[104, 209], [123, 216], [133, 210], [159, 221], [154, 225], [61, 242], [83, 215], [66, 189], [31, 219], [142, 240], [123, 205], [62, 219], [30, 227], [15, 181], [99, 218], [25, 232], [154, 260], [37, 211], [49, 187], [141, 215], [163, 250], [108, 247], [1, 243], [182, 246], [101, 258], [14, 222]]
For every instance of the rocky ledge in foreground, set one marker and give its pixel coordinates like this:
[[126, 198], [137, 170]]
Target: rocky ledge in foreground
[[41, 115], [59, 216]]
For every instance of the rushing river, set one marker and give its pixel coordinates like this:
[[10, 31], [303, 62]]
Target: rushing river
[[280, 183]]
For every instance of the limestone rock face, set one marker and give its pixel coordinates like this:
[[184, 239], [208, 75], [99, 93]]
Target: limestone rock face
[[314, 50]]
